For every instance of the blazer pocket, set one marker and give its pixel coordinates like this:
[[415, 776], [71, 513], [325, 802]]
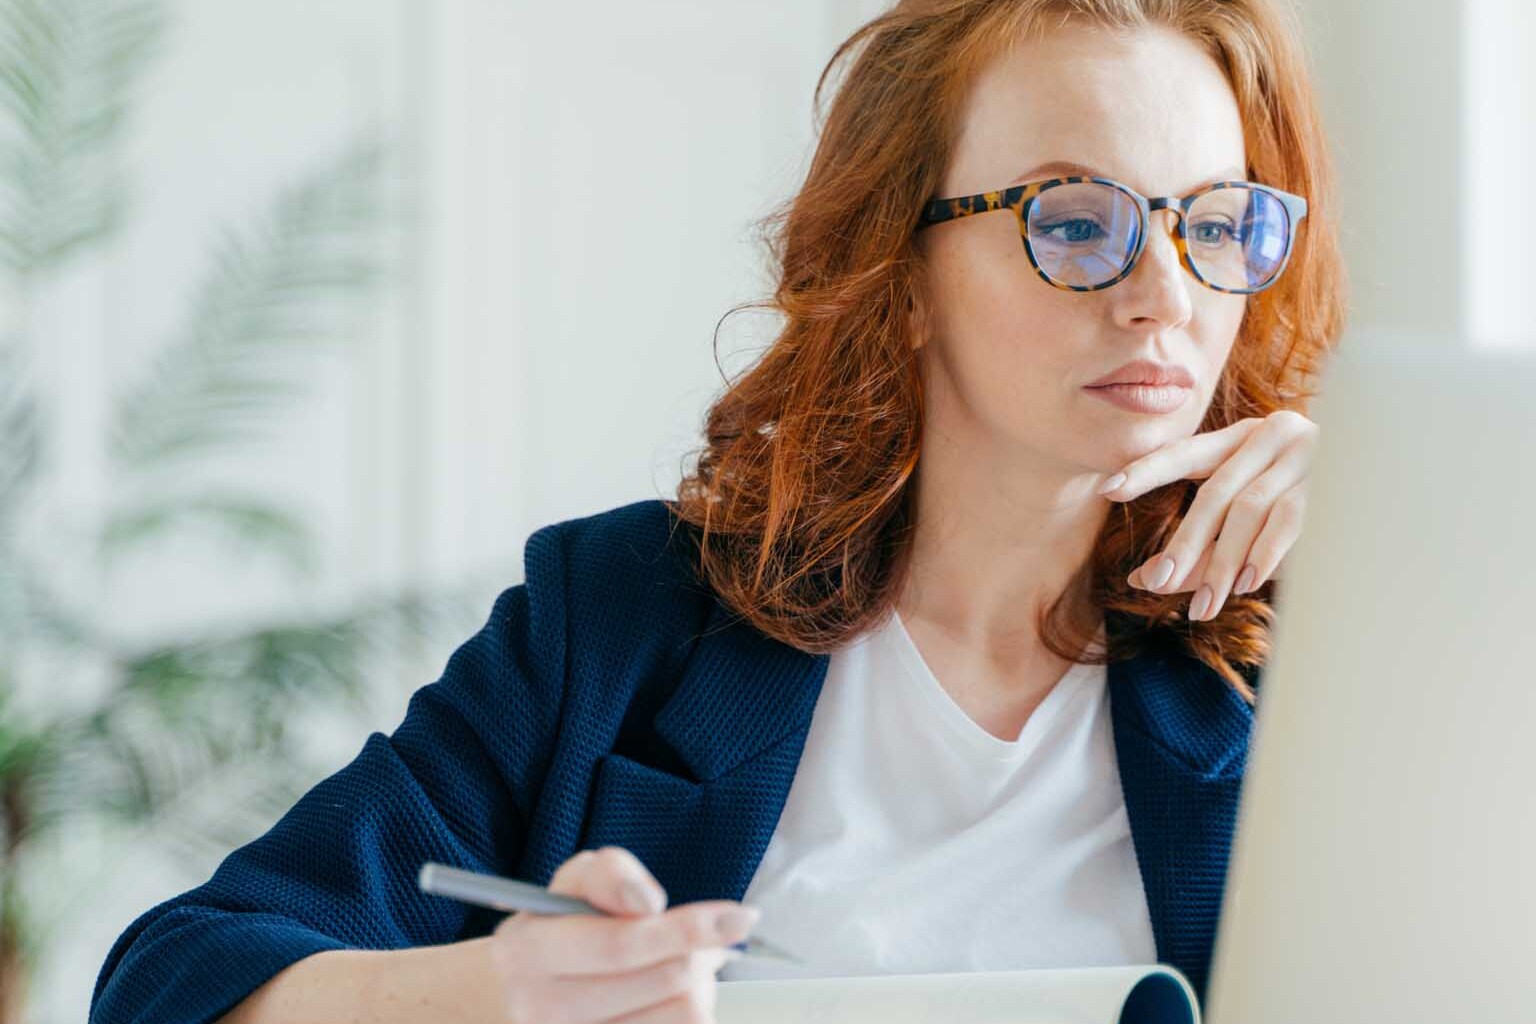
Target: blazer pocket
[[701, 839], [642, 808]]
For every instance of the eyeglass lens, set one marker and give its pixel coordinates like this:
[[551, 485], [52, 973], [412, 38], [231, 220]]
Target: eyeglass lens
[[1084, 234]]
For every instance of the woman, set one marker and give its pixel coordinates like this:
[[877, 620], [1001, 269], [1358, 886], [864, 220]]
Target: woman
[[944, 658]]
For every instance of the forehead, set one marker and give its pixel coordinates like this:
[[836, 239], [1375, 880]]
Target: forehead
[[1149, 107]]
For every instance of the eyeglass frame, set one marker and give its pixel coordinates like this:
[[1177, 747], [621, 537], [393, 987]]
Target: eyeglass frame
[[1019, 197]]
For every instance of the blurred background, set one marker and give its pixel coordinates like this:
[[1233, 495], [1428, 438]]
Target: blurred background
[[310, 312]]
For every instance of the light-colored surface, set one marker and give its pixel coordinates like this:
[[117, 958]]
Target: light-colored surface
[[913, 840], [1428, 106], [1083, 995], [1382, 867], [1390, 78]]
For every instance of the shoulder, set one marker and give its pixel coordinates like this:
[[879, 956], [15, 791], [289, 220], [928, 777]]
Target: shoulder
[[620, 546], [607, 608], [594, 587], [622, 559], [614, 594]]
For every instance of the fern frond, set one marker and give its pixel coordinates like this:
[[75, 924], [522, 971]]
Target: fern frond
[[248, 521], [68, 71], [275, 292]]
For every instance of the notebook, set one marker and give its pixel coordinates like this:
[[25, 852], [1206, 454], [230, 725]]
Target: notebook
[[1381, 867], [1141, 994]]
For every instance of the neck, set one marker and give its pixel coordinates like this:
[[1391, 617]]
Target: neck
[[998, 539]]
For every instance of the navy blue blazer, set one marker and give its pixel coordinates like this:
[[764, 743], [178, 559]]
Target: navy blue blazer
[[611, 700]]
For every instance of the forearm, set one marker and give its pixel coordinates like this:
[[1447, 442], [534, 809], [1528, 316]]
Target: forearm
[[448, 983]]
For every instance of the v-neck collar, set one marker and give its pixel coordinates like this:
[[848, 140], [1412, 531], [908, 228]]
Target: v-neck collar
[[958, 721]]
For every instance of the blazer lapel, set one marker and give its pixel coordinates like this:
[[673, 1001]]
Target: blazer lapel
[[1181, 741], [741, 693], [738, 719]]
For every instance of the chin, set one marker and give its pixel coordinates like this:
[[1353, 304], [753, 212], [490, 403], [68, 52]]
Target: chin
[[1116, 449]]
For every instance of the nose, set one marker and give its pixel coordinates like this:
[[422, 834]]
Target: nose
[[1158, 287]]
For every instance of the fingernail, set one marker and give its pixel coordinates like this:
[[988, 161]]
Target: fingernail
[[735, 924], [1162, 572], [1112, 483], [638, 898], [1202, 602], [1245, 581]]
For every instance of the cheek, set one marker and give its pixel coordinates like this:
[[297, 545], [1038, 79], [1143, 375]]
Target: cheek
[[1217, 331], [1004, 334], [1213, 332], [1221, 316]]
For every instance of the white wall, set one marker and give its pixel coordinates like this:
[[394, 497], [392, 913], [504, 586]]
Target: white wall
[[579, 201], [1431, 108], [1497, 153], [588, 238]]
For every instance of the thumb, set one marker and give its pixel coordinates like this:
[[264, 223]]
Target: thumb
[[611, 879]]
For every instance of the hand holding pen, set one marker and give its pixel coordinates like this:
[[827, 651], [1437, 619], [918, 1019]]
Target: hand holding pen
[[600, 943]]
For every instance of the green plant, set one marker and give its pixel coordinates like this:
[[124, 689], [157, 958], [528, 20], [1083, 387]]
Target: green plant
[[185, 742]]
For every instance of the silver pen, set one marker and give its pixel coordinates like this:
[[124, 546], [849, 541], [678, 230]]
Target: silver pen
[[509, 894]]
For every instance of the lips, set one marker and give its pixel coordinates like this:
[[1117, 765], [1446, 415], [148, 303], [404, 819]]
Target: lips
[[1147, 398], [1147, 372]]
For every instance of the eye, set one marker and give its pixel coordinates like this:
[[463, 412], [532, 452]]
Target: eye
[[1213, 231], [1074, 230]]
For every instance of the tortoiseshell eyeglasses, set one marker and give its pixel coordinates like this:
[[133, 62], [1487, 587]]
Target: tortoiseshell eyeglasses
[[1084, 233]]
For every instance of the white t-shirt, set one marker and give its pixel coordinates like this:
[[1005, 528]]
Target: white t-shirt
[[914, 841]]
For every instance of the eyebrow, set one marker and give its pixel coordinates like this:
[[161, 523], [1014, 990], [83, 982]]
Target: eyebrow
[[1068, 167]]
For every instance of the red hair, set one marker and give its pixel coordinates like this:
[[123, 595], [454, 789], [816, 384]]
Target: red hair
[[803, 493]]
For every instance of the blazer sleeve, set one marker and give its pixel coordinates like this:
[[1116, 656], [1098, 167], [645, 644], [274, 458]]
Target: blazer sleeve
[[338, 870]]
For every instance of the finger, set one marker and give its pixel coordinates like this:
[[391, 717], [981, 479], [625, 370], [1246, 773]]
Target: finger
[[578, 944], [1279, 535], [604, 997], [1240, 529], [1194, 458], [612, 879], [1139, 575], [1207, 514], [693, 1005]]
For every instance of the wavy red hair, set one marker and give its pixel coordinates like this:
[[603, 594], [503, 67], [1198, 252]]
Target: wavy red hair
[[803, 494]]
